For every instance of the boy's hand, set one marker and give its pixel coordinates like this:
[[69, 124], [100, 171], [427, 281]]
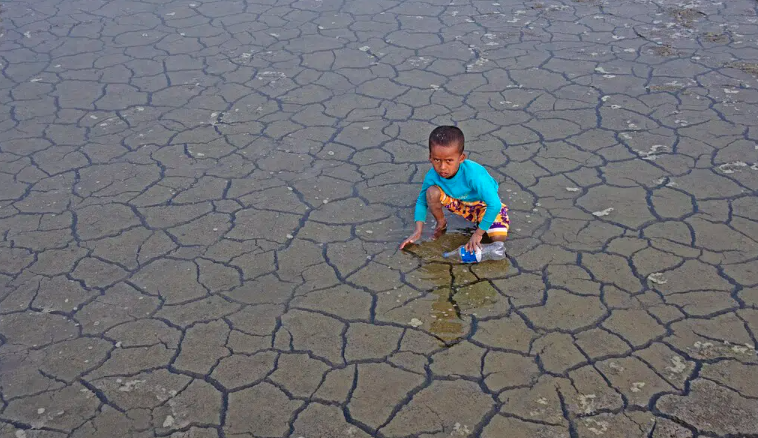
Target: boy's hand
[[415, 236], [475, 242]]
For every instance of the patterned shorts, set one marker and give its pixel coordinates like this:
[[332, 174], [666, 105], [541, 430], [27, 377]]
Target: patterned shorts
[[474, 211]]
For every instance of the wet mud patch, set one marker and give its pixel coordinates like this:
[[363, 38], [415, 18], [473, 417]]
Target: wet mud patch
[[469, 292], [747, 67], [714, 37], [686, 17], [664, 50]]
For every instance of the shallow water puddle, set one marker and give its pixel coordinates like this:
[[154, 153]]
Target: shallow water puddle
[[460, 292]]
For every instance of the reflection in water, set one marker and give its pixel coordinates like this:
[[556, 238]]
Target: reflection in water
[[460, 292], [476, 296], [446, 322]]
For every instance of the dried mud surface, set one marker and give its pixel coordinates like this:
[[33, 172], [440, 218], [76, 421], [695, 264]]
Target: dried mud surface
[[201, 202]]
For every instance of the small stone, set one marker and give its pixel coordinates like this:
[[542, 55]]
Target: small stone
[[41, 411], [169, 421], [415, 322]]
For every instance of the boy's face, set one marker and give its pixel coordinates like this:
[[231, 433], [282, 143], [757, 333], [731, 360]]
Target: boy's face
[[446, 160]]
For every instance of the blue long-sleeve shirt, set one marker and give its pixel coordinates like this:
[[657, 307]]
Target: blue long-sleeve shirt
[[471, 183]]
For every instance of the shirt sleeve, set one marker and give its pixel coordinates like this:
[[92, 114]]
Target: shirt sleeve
[[488, 191], [421, 205]]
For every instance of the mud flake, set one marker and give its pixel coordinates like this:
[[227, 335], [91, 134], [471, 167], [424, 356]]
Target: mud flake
[[602, 213]]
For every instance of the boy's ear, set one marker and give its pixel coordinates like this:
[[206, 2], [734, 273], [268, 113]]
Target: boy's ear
[[463, 157]]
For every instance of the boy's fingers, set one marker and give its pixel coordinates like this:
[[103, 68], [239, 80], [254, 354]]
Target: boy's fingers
[[411, 239]]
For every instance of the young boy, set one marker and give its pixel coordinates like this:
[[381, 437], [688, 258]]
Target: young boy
[[463, 187]]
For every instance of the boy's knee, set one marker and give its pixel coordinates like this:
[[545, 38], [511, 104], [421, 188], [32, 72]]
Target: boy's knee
[[433, 194]]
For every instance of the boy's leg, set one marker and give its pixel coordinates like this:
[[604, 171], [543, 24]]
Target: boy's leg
[[498, 232], [433, 200], [497, 237]]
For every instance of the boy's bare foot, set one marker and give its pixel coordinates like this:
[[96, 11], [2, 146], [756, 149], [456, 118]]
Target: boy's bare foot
[[440, 230]]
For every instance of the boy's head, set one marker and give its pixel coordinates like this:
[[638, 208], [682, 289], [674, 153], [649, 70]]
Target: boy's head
[[446, 145]]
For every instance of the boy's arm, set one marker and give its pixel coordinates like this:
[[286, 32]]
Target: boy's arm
[[488, 192], [422, 207], [419, 215]]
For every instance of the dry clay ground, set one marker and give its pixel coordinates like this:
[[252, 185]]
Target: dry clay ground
[[201, 201]]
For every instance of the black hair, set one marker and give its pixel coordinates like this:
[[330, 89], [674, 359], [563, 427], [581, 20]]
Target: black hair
[[447, 136]]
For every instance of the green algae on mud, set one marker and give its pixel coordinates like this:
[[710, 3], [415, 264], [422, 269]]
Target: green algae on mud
[[686, 16], [747, 67]]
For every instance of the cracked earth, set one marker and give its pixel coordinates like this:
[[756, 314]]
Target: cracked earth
[[201, 203]]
